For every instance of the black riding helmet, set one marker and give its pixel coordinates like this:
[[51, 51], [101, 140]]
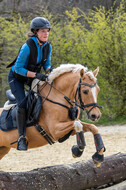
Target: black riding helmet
[[39, 22]]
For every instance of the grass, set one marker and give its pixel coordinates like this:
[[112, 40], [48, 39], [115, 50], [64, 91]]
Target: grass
[[108, 121]]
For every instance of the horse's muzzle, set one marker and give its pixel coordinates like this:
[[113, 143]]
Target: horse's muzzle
[[94, 117]]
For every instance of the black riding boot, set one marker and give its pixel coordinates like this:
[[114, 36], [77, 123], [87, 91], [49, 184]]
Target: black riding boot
[[21, 125]]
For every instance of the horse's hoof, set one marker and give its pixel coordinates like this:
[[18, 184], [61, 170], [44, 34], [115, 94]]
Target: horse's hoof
[[97, 164], [76, 152], [98, 159]]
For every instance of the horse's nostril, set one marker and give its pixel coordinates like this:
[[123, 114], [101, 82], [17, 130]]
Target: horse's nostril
[[93, 116]]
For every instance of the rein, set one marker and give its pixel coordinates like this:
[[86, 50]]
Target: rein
[[71, 102], [46, 98]]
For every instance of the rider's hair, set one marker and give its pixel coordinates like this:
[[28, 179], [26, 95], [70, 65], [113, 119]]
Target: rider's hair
[[33, 33]]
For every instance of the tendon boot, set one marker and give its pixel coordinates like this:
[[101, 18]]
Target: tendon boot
[[21, 125]]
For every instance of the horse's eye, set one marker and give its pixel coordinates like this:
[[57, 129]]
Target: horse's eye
[[85, 91]]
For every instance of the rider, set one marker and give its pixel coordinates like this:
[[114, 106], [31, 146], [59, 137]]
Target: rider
[[26, 66]]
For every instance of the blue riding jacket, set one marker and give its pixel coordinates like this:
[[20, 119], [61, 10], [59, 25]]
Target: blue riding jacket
[[22, 60]]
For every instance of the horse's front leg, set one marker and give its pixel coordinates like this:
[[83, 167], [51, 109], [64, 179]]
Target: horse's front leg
[[98, 157], [78, 149], [63, 128]]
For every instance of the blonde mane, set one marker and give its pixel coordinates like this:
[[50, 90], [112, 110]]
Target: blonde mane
[[64, 68]]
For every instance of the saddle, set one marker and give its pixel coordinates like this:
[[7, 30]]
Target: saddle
[[8, 115]]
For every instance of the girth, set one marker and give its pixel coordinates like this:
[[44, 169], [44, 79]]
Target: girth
[[44, 134], [48, 138]]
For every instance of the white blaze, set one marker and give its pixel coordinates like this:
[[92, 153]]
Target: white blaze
[[93, 90]]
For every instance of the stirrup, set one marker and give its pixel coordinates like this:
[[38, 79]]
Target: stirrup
[[24, 146], [22, 137]]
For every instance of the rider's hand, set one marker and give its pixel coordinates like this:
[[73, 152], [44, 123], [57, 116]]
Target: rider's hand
[[41, 76], [50, 70]]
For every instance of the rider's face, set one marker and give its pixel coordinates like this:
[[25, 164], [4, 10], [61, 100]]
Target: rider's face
[[43, 34]]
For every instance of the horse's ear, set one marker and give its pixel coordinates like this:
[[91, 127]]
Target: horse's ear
[[82, 73], [95, 72]]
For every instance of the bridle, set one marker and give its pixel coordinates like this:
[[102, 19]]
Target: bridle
[[81, 105], [78, 91]]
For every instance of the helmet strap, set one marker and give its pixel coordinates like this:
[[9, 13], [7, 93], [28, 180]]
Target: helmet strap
[[40, 42]]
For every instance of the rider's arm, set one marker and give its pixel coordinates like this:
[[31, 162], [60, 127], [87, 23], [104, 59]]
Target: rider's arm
[[22, 60]]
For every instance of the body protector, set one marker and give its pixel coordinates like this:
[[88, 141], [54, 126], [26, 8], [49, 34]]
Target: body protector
[[32, 63]]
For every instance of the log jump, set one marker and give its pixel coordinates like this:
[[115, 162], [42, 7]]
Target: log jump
[[76, 176]]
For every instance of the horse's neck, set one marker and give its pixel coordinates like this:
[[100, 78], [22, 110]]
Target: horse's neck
[[67, 84]]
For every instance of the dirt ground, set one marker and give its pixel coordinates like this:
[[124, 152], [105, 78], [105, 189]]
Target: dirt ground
[[114, 138]]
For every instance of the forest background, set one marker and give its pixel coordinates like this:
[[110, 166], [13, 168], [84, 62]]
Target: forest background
[[93, 38]]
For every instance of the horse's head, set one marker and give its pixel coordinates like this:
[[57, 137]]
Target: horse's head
[[88, 92]]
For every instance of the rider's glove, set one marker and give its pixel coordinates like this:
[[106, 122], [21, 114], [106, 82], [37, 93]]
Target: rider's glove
[[50, 69], [41, 76]]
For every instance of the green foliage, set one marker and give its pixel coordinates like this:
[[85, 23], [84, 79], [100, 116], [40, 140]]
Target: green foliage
[[68, 39], [12, 36], [106, 47], [98, 39]]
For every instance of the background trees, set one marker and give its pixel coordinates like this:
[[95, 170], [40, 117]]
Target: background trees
[[98, 39]]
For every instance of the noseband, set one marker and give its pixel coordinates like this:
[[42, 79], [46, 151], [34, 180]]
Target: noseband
[[82, 105]]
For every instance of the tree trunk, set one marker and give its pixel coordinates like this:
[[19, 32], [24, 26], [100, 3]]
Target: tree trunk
[[77, 176]]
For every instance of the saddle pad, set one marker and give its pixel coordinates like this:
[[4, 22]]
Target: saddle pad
[[8, 117], [6, 121]]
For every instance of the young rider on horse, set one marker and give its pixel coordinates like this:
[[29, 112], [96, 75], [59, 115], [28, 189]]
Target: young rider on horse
[[33, 55]]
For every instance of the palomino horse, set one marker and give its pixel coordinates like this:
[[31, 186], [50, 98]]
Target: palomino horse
[[68, 86]]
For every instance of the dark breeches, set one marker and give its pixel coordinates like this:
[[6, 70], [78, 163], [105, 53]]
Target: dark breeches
[[17, 89]]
